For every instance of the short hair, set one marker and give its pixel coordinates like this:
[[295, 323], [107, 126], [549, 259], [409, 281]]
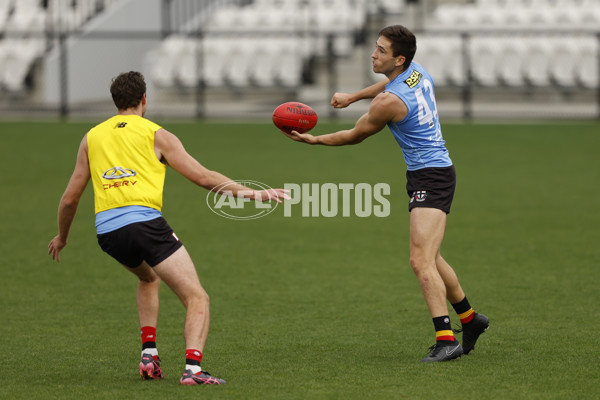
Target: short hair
[[127, 89], [403, 41]]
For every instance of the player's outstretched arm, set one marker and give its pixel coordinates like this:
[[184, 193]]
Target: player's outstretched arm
[[342, 100], [70, 201], [170, 147], [364, 128], [384, 108]]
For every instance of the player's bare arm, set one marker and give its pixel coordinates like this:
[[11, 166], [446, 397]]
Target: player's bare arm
[[169, 147], [70, 200], [385, 107], [342, 100]]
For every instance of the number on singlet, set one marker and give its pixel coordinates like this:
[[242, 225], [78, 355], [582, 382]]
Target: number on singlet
[[427, 109]]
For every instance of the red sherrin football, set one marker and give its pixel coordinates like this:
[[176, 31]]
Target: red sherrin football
[[294, 116]]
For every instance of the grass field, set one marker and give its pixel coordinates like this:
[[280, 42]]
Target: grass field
[[314, 308]]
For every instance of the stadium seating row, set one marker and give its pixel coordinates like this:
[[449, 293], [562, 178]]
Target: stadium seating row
[[517, 15], [513, 60], [536, 3], [271, 40], [389, 7], [514, 43], [17, 55], [272, 61], [494, 61], [23, 27], [317, 18], [267, 59], [20, 16]]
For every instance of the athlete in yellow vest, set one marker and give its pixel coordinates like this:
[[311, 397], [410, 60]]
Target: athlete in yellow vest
[[126, 158]]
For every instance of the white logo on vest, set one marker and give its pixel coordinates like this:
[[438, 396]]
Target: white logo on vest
[[118, 173]]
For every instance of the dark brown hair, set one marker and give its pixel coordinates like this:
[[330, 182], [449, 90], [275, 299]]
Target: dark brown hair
[[127, 89], [403, 41]]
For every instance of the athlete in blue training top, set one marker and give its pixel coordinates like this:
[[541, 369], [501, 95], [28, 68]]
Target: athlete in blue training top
[[405, 102]]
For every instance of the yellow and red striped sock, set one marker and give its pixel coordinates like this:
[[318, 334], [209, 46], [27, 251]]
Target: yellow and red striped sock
[[443, 329], [464, 311]]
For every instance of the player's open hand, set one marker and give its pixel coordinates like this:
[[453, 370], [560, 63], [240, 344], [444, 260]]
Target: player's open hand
[[55, 246], [272, 194], [340, 100], [301, 137]]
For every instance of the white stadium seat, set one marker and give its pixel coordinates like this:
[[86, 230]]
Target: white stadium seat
[[489, 3], [448, 16], [288, 71], [235, 70], [539, 17], [279, 20], [162, 71], [511, 61], [186, 69], [587, 62], [562, 68], [264, 58], [536, 66], [213, 49], [86, 8], [166, 59], [455, 69], [5, 9], [392, 6], [4, 51], [23, 43], [442, 56], [18, 57], [431, 53], [590, 20], [64, 16], [27, 14], [484, 52], [225, 19]]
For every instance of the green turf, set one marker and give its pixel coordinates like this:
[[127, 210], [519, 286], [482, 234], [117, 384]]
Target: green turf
[[314, 308]]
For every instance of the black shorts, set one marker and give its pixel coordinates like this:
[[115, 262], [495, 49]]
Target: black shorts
[[151, 241], [431, 187]]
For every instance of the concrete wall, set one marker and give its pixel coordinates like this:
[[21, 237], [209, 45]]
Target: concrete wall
[[93, 62]]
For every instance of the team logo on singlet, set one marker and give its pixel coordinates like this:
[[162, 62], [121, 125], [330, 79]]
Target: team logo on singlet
[[413, 79], [419, 195], [118, 173]]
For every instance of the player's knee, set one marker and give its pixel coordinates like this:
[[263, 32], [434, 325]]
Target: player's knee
[[150, 279], [415, 264], [204, 297], [419, 263], [200, 297]]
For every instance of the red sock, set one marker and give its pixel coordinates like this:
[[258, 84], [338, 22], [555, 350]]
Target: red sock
[[193, 357], [149, 339], [148, 336]]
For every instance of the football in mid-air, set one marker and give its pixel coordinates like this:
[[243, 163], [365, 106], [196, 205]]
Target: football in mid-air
[[294, 116]]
